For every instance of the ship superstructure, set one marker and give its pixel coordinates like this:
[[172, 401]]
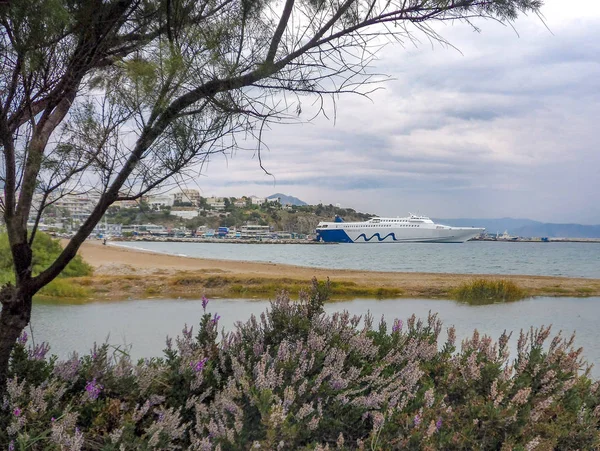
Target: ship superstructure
[[410, 229]]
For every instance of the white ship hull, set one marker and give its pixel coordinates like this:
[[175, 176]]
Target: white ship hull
[[412, 229]]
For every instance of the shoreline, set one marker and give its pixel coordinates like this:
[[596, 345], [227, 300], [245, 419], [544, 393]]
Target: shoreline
[[122, 273]]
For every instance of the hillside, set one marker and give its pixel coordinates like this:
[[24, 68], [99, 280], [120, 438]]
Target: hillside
[[284, 199], [296, 219], [526, 227]]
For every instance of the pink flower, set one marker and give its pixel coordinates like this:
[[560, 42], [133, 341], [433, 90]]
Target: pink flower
[[17, 412]]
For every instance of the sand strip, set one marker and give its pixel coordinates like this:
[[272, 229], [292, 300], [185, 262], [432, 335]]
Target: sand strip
[[120, 261]]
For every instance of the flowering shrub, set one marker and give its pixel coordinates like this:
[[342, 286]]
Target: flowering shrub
[[295, 378]]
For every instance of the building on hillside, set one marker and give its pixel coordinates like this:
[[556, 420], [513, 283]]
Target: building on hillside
[[185, 213], [79, 207], [239, 203], [257, 200], [159, 201], [187, 195], [216, 203], [126, 204]]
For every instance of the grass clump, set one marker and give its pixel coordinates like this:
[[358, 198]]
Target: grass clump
[[485, 291], [62, 288]]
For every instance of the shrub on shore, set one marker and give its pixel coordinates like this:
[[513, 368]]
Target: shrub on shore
[[45, 251], [296, 378], [485, 291]]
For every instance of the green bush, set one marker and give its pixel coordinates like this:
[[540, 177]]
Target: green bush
[[298, 379], [45, 250], [60, 288], [485, 291]]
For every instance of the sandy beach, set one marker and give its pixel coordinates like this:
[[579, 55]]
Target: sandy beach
[[122, 272]]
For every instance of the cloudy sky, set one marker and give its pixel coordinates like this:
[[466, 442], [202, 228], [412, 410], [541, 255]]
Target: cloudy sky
[[508, 126]]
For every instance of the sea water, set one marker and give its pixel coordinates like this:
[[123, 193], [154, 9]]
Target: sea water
[[473, 257]]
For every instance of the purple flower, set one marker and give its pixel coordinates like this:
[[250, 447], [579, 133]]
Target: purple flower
[[52, 419], [187, 333], [438, 424], [204, 302], [216, 319], [22, 339], [11, 446], [17, 412], [93, 389], [39, 352], [199, 366], [397, 327], [417, 420]]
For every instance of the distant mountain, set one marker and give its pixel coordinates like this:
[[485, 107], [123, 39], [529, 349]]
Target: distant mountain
[[527, 227], [287, 200]]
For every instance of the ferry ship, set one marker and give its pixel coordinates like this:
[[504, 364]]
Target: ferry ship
[[411, 229]]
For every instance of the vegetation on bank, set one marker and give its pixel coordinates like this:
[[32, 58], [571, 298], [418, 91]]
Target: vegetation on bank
[[296, 378], [188, 284], [45, 250], [485, 291], [216, 282]]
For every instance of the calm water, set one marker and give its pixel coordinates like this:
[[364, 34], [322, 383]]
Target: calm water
[[549, 259], [145, 324]]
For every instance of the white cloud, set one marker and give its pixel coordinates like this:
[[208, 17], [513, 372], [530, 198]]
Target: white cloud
[[505, 128]]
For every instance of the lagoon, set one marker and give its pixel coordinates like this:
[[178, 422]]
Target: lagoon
[[473, 257], [143, 325]]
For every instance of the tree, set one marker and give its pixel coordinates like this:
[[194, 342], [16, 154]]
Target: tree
[[114, 98]]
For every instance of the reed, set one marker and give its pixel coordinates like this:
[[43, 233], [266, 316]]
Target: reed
[[65, 288], [483, 291]]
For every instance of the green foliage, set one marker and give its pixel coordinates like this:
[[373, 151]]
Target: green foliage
[[484, 291], [45, 250], [61, 288]]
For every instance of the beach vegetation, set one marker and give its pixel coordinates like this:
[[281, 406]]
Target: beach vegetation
[[65, 289], [45, 250], [297, 378], [486, 291]]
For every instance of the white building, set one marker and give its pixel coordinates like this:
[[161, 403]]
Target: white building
[[187, 195], [257, 200], [159, 201], [185, 214], [78, 206], [255, 231], [144, 229]]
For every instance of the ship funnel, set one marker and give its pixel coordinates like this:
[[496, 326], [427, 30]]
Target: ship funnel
[[338, 219]]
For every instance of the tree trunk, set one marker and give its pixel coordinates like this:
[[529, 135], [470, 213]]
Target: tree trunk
[[15, 315]]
